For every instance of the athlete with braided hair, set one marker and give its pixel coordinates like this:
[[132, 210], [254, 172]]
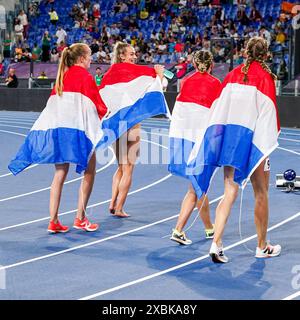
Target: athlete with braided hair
[[197, 94], [255, 81]]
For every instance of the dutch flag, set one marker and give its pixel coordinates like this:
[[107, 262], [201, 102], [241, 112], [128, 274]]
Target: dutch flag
[[68, 129], [242, 129], [131, 93], [189, 121]]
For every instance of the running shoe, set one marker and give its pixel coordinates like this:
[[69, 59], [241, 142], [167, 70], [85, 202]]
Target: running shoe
[[269, 251], [209, 233], [85, 225], [217, 254], [180, 237], [57, 227]]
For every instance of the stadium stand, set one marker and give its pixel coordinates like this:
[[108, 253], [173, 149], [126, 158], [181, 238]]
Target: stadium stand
[[161, 31]]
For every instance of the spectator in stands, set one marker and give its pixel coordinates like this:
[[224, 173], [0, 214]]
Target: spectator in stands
[[53, 17], [98, 76], [242, 16], [12, 80], [60, 48], [280, 36], [33, 9], [26, 55], [75, 13], [96, 11], [94, 47], [36, 52], [181, 68], [144, 14], [123, 8], [255, 14], [18, 53], [19, 32], [6, 47], [46, 46], [61, 35], [54, 55], [24, 21], [264, 33], [42, 75]]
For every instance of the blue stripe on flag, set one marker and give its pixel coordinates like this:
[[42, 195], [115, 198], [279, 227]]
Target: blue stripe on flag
[[60, 145], [180, 150], [152, 104], [228, 145]]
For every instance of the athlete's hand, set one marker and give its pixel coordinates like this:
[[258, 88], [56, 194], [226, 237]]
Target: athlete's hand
[[159, 69]]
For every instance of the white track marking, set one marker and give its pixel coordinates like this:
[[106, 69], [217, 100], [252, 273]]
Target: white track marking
[[15, 133], [182, 265], [286, 139], [8, 125], [292, 296], [288, 150], [88, 207], [10, 174], [67, 182], [100, 240]]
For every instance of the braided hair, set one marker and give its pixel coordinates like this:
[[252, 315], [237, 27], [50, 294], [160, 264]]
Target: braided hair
[[256, 50], [202, 60]]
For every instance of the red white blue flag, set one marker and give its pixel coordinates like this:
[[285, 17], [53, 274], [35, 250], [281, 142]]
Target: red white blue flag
[[68, 129], [242, 129], [131, 93], [188, 124]]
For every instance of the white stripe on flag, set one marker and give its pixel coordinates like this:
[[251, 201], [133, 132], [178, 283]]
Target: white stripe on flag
[[72, 110], [189, 121], [125, 94]]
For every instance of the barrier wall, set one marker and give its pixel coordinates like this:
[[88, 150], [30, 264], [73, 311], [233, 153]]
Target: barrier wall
[[35, 100]]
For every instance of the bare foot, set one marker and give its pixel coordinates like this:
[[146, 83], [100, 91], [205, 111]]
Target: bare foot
[[121, 214]]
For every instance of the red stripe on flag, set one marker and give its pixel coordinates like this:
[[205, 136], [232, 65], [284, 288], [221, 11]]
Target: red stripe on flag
[[200, 88], [79, 80], [257, 77], [125, 72]]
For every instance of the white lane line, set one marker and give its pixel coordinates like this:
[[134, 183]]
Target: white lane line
[[288, 150], [17, 121], [286, 139], [15, 133], [10, 126], [22, 135], [292, 296], [100, 240], [292, 129], [71, 181], [290, 134], [67, 182], [88, 207], [10, 174], [182, 265]]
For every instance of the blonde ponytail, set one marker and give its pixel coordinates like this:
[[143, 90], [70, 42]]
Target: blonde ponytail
[[69, 57]]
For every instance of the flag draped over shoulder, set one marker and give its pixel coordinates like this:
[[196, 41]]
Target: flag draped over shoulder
[[131, 93], [189, 120], [243, 126], [68, 129]]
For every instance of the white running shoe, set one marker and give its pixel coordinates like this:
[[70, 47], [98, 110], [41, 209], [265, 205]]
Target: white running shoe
[[269, 251], [217, 254], [180, 237]]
